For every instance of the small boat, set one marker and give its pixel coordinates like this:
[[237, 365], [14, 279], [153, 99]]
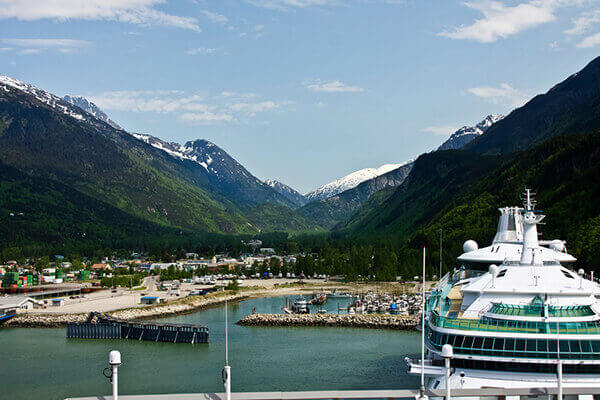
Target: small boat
[[300, 306], [318, 299], [6, 316]]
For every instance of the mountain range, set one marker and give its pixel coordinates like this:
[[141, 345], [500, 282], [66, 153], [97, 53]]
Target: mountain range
[[70, 174], [196, 186], [550, 144]]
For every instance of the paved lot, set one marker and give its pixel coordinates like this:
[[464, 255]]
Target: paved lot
[[106, 300]]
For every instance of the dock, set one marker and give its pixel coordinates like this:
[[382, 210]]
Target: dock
[[102, 326]]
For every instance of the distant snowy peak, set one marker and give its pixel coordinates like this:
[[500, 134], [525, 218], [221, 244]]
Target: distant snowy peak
[[292, 195], [182, 152], [8, 84], [91, 109], [466, 134], [350, 181]]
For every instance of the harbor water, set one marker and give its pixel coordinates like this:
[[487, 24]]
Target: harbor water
[[43, 364]]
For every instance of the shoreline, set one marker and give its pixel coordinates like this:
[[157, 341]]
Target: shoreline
[[185, 305], [181, 306]]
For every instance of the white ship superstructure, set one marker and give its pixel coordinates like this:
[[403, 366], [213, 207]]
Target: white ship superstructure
[[522, 323]]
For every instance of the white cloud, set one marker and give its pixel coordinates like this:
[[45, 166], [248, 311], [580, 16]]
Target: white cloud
[[252, 109], [584, 22], [205, 118], [29, 51], [34, 46], [214, 17], [239, 95], [501, 21], [332, 87], [288, 4], [504, 94], [190, 108], [201, 50], [140, 12], [444, 130], [159, 101], [590, 41]]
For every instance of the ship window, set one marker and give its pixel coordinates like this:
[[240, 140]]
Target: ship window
[[575, 346], [596, 346], [468, 343], [567, 274], [501, 273], [477, 343], [531, 345], [586, 346], [499, 344], [543, 345], [436, 384], [564, 346], [552, 346], [510, 344], [459, 341], [520, 345]]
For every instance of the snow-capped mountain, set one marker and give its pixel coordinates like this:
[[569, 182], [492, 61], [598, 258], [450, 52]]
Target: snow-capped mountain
[[466, 134], [350, 181], [7, 84], [196, 185], [287, 192], [223, 172], [91, 108]]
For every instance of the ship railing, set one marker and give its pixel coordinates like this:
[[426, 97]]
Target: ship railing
[[583, 392], [515, 326]]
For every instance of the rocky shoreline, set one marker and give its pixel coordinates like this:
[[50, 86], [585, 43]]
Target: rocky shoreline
[[335, 320], [187, 305]]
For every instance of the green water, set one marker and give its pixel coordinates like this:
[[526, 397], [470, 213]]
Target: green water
[[43, 364]]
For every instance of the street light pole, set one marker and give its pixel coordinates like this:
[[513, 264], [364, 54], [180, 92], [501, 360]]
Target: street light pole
[[422, 395], [440, 277]]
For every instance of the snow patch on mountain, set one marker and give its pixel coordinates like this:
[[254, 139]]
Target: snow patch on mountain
[[7, 84], [350, 181], [291, 194], [91, 109], [466, 134]]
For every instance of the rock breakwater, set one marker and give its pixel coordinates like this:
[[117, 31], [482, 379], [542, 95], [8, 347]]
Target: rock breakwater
[[376, 321]]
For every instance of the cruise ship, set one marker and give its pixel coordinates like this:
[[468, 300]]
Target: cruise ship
[[515, 315]]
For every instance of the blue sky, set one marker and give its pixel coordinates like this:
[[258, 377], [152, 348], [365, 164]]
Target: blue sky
[[303, 91]]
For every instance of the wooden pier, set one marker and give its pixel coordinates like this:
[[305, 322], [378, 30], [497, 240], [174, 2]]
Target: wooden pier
[[102, 326]]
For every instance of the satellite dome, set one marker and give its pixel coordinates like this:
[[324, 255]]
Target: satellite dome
[[557, 245], [447, 351], [493, 269], [470, 245]]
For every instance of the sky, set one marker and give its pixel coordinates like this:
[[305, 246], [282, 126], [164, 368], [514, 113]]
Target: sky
[[302, 91]]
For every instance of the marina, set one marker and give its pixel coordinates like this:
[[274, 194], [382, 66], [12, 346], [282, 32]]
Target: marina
[[262, 358]]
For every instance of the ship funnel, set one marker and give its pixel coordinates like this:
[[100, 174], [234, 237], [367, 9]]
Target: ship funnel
[[510, 225]]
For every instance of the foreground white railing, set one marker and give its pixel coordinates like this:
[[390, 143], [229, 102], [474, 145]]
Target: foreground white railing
[[585, 392]]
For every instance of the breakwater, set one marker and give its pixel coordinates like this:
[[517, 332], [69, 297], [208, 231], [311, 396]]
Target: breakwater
[[375, 321]]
